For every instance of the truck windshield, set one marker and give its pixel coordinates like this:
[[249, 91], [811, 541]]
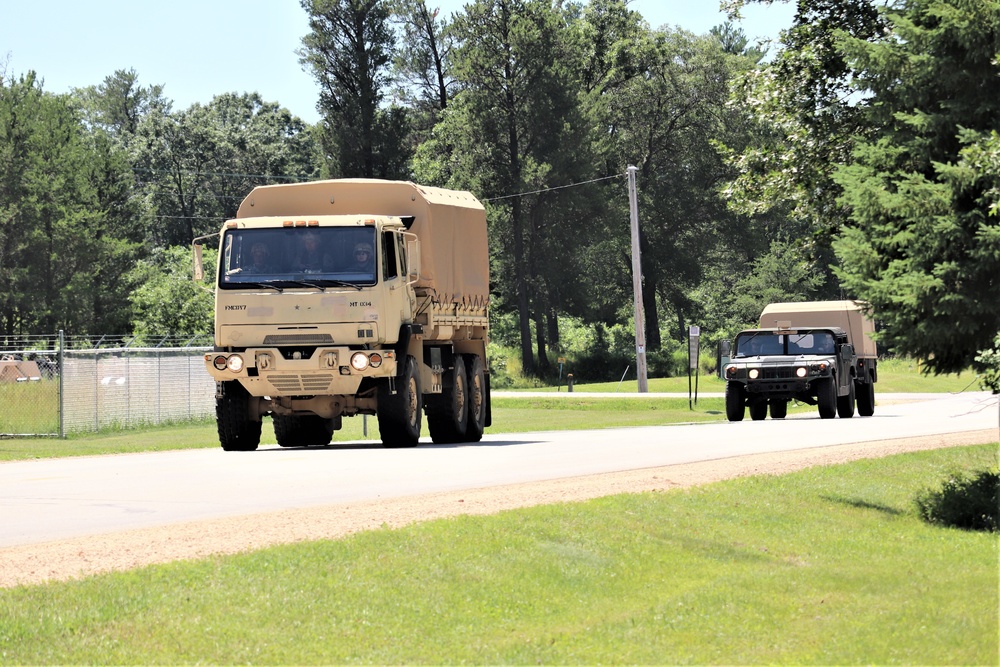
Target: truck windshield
[[298, 256], [759, 344], [817, 342], [764, 344]]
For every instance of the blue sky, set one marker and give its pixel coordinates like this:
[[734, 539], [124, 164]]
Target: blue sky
[[200, 48]]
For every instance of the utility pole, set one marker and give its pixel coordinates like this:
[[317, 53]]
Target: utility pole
[[640, 317]]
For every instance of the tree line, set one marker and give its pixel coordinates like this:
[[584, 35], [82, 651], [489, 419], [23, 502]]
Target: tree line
[[859, 158]]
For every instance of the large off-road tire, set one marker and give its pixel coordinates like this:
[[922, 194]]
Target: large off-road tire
[[779, 408], [845, 404], [237, 431], [400, 413], [302, 430], [477, 398], [866, 398], [758, 410], [826, 398], [735, 401], [448, 413]]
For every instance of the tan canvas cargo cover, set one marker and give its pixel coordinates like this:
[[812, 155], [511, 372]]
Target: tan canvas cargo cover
[[451, 225], [848, 315]]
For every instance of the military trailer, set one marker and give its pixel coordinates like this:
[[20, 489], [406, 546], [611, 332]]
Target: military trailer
[[819, 353], [351, 297]]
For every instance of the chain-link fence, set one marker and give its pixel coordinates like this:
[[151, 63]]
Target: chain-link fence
[[55, 385]]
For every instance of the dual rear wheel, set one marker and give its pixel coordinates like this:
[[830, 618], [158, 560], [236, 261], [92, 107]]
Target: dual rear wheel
[[459, 413]]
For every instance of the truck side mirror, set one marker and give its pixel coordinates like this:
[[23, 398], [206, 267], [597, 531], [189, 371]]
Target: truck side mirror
[[412, 258], [847, 353], [199, 260], [199, 264]]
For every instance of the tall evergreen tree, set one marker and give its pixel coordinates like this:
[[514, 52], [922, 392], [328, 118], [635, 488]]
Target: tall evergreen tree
[[515, 124], [923, 240], [63, 211], [349, 50]]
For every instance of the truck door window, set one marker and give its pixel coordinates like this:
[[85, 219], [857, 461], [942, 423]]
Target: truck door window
[[389, 266], [401, 252]]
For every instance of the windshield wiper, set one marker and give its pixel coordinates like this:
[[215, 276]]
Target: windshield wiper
[[267, 285], [304, 283], [344, 283]]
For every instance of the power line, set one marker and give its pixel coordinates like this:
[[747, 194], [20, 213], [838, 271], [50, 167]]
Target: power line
[[558, 187], [188, 172]]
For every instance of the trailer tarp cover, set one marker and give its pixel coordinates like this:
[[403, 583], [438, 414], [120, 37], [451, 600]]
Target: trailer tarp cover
[[848, 315]]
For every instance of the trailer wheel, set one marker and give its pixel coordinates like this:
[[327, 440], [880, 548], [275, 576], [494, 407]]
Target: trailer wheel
[[845, 404], [399, 413], [448, 414], [476, 398], [826, 398], [735, 402], [302, 430], [779, 408], [866, 399], [237, 431]]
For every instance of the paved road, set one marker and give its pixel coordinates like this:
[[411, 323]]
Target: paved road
[[61, 498]]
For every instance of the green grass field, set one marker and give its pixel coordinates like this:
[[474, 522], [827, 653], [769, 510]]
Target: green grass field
[[826, 566], [894, 376]]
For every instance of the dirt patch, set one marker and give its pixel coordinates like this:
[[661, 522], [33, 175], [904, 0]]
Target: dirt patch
[[85, 556]]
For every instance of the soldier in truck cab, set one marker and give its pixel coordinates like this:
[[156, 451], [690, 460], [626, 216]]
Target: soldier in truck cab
[[260, 257], [310, 258], [364, 258]]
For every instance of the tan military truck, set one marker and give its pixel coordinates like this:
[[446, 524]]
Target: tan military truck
[[351, 297], [819, 352]]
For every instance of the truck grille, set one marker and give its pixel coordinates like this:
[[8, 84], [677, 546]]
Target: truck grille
[[301, 384], [297, 339], [781, 373]]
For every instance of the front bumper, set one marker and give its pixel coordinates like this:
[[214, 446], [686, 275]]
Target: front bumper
[[329, 371]]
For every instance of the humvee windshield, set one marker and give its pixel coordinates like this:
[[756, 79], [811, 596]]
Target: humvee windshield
[[766, 344], [297, 256]]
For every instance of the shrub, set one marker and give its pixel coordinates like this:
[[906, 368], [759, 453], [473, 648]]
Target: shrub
[[968, 502]]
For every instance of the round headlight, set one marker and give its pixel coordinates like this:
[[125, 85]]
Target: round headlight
[[801, 372], [219, 362], [376, 360], [359, 361], [754, 373], [235, 363]]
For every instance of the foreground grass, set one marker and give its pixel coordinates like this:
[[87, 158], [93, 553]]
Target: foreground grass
[[826, 566]]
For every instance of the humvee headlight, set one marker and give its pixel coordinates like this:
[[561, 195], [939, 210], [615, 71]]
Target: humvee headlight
[[359, 361], [801, 372], [376, 360], [754, 374], [235, 363], [219, 362]]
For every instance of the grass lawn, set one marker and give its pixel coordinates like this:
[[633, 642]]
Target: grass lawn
[[826, 566], [894, 376]]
